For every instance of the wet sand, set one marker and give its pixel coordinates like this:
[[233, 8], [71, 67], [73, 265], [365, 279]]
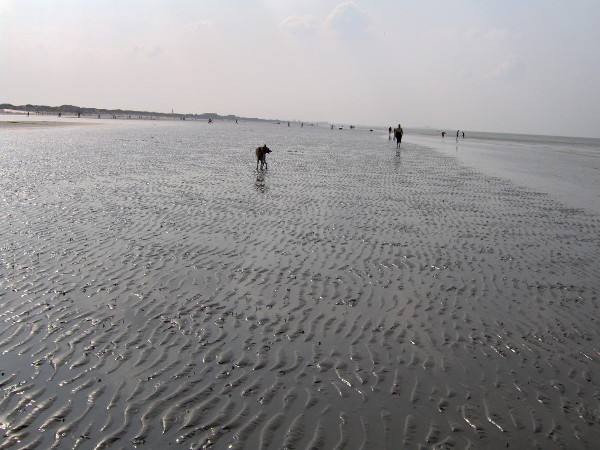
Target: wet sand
[[157, 289], [27, 124], [566, 168]]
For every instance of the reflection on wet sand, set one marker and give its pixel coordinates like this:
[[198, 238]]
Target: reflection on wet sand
[[398, 159], [261, 185]]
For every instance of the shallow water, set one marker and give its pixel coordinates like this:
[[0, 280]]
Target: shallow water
[[566, 168], [157, 288]]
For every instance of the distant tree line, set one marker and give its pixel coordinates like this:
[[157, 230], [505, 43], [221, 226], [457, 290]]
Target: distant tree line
[[76, 110]]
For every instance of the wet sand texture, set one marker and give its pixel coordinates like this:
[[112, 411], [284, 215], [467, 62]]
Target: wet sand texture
[[157, 289], [36, 123]]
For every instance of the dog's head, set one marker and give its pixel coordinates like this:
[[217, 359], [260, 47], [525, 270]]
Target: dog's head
[[266, 149]]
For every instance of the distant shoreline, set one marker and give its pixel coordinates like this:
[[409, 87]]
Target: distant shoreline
[[78, 111], [15, 124]]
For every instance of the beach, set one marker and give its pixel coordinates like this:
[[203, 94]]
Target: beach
[[157, 290], [19, 122]]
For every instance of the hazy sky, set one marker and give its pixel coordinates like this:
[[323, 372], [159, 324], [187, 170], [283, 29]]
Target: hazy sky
[[530, 66]]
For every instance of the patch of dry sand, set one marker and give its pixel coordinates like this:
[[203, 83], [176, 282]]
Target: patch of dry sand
[[25, 124]]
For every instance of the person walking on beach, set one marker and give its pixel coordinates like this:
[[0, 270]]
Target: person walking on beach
[[390, 133], [398, 132]]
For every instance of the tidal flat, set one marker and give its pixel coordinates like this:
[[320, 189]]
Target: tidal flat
[[157, 289]]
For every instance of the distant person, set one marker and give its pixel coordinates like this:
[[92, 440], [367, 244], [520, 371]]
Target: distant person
[[457, 131], [463, 134], [390, 133], [443, 134], [398, 133]]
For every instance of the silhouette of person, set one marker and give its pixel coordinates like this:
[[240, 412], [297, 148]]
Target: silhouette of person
[[398, 133]]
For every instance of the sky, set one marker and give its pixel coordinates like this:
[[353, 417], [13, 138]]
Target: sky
[[510, 66]]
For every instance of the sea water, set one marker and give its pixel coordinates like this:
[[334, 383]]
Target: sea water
[[568, 168]]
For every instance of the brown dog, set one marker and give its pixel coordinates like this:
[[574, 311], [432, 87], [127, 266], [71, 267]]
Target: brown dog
[[261, 156]]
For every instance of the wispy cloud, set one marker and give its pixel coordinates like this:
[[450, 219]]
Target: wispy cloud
[[347, 20], [300, 25], [511, 69]]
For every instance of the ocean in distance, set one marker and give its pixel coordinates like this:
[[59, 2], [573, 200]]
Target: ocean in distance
[[567, 168]]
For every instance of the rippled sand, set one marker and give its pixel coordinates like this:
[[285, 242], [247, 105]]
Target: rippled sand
[[157, 289]]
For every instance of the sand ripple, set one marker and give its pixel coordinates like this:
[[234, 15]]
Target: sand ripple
[[156, 290]]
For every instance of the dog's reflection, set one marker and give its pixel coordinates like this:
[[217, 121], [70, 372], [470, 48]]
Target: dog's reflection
[[261, 185]]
